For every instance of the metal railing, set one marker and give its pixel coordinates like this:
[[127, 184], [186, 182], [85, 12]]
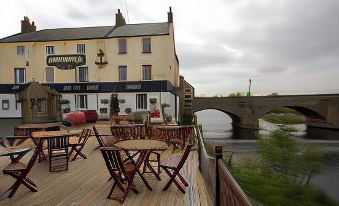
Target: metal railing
[[220, 184]]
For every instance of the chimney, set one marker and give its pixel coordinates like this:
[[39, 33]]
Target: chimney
[[26, 25], [119, 19], [170, 15]]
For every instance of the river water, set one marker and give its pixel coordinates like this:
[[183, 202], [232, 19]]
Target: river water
[[217, 128]]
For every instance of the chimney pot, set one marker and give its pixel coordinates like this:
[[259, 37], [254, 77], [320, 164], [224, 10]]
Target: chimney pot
[[170, 15]]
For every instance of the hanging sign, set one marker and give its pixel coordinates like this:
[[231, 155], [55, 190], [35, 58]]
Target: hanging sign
[[66, 62]]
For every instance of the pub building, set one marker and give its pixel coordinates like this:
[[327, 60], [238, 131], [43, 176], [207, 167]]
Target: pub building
[[138, 62]]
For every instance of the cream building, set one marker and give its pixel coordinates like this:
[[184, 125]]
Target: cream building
[[136, 61]]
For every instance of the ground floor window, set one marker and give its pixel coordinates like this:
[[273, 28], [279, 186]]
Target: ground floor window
[[141, 101], [81, 102], [5, 104]]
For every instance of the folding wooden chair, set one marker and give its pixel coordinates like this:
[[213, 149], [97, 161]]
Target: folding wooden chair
[[20, 171], [104, 140], [172, 166], [120, 172], [78, 144], [58, 153]]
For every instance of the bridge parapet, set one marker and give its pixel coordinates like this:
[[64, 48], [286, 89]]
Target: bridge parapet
[[319, 110]]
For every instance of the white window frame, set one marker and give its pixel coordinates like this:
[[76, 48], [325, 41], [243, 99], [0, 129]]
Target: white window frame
[[145, 49], [141, 105], [50, 50], [142, 72], [20, 50], [81, 49], [119, 49], [78, 100], [52, 68], [5, 104], [16, 79], [119, 71], [86, 74]]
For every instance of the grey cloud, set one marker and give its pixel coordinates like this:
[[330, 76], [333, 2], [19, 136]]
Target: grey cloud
[[271, 69]]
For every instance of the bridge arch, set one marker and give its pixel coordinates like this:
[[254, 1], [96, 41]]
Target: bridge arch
[[310, 114], [234, 117]]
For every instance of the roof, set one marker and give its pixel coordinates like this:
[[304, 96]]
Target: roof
[[62, 34], [140, 30]]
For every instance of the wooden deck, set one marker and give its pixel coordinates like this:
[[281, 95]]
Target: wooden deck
[[85, 183]]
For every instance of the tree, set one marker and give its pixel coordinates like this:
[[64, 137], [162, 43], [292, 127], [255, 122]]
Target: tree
[[114, 105], [282, 156]]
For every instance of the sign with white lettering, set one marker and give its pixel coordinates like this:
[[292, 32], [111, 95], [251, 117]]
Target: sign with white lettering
[[65, 62], [133, 86]]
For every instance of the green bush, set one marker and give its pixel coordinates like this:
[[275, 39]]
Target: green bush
[[186, 118], [138, 118]]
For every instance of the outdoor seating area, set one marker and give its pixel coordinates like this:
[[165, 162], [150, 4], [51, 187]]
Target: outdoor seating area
[[110, 162]]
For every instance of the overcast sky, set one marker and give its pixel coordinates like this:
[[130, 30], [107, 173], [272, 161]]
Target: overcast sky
[[283, 45]]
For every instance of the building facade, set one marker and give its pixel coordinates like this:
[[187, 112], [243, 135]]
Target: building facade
[[136, 61]]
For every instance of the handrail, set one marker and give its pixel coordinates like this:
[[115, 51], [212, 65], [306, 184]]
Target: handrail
[[222, 187]]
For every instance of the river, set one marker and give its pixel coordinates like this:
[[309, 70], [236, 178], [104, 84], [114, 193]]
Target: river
[[217, 128]]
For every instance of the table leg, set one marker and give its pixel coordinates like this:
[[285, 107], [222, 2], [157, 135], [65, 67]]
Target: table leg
[[138, 164]]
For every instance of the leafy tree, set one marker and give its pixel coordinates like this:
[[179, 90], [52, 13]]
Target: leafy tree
[[282, 156]]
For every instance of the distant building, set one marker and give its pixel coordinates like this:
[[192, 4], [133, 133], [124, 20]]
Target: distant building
[[87, 65]]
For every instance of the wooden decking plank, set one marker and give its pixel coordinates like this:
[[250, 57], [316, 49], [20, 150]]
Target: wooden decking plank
[[85, 183]]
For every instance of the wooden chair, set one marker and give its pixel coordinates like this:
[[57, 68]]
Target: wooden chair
[[120, 172], [20, 171], [58, 153], [77, 144], [104, 140], [172, 166]]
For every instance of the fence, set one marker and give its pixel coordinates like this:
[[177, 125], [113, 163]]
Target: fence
[[221, 186]]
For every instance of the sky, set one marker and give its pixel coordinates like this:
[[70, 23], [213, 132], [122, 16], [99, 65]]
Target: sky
[[282, 45]]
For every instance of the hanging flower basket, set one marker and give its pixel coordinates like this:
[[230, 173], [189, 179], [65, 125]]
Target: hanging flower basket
[[155, 113]]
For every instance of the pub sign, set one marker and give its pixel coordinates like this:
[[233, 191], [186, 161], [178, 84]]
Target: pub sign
[[66, 62]]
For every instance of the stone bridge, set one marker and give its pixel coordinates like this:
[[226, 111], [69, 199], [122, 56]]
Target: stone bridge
[[319, 110]]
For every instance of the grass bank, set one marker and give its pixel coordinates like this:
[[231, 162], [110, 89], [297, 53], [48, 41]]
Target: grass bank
[[269, 189]]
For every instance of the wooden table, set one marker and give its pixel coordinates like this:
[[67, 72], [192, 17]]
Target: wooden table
[[44, 135], [15, 155], [144, 146], [27, 129], [178, 135]]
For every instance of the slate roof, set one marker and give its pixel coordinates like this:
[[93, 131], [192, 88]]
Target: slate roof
[[127, 30], [140, 30]]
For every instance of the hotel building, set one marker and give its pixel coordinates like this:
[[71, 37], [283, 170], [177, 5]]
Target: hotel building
[[87, 65]]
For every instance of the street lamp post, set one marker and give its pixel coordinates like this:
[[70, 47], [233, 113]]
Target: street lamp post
[[249, 88]]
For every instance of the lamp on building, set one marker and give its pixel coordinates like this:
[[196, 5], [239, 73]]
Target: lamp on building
[[101, 59]]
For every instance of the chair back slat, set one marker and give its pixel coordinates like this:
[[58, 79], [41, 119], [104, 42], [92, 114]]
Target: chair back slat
[[58, 142], [112, 159]]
